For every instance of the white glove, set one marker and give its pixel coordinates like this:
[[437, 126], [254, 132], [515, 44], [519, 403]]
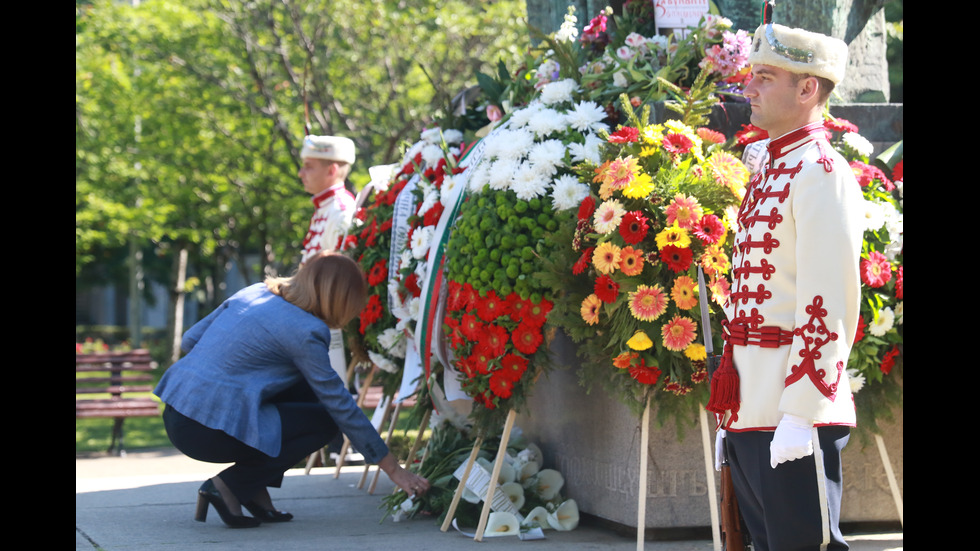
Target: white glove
[[793, 439], [719, 449]]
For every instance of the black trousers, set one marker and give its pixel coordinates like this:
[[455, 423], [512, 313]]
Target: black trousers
[[796, 506], [306, 427]]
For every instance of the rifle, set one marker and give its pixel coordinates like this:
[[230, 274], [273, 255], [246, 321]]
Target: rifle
[[733, 537]]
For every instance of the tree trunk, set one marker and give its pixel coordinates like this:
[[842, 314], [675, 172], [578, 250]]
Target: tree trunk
[[180, 278]]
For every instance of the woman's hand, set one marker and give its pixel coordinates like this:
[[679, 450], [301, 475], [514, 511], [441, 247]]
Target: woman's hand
[[408, 481]]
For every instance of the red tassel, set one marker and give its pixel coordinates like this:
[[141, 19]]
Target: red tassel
[[725, 389]]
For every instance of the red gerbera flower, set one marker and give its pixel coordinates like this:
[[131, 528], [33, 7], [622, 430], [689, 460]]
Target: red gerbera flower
[[536, 314], [378, 273], [495, 338], [626, 134], [888, 362], [900, 283], [633, 227], [371, 313], [479, 360], [412, 284], [606, 289], [513, 366], [431, 217], [527, 338], [471, 327], [583, 261], [491, 306], [840, 125], [455, 335], [678, 259], [645, 374], [586, 209], [500, 385], [677, 144], [709, 229]]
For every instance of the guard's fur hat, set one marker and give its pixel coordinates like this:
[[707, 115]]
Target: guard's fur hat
[[799, 51], [331, 148]]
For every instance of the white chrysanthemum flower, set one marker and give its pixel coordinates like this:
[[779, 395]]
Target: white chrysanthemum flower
[[547, 155], [568, 192], [414, 150], [383, 363], [587, 116], [856, 380], [559, 91], [431, 135], [421, 238], [478, 177], [405, 259], [514, 144], [452, 136], [885, 321], [528, 183], [588, 151], [431, 154], [519, 118], [501, 174], [546, 122], [858, 144]]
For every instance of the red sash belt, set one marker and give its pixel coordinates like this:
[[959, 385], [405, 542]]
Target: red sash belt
[[724, 384], [768, 336]]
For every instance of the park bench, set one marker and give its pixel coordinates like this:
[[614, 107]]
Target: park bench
[[106, 385]]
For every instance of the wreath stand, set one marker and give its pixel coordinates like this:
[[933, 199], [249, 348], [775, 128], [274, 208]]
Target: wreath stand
[[491, 487], [641, 511], [361, 396], [892, 482]]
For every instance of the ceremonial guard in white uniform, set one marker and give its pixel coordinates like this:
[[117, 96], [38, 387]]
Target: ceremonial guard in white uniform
[[334, 203], [781, 394], [327, 161]]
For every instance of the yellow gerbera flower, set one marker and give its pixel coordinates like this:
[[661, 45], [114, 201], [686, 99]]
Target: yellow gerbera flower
[[606, 258], [675, 236], [696, 352], [640, 187], [639, 341]]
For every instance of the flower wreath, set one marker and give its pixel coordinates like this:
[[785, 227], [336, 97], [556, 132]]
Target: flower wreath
[[660, 206], [519, 191]]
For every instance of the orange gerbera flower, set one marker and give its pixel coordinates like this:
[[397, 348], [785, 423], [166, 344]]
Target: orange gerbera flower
[[683, 293], [606, 258], [631, 261], [590, 309]]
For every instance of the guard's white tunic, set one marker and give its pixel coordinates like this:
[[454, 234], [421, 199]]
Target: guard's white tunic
[[334, 214], [793, 309]]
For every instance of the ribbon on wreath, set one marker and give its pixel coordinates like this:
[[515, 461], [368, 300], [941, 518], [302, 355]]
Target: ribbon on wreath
[[429, 338]]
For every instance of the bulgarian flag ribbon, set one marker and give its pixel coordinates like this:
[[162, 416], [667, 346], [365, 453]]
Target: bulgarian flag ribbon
[[429, 339]]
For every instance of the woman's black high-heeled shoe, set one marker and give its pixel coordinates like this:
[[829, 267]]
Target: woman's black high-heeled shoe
[[209, 494], [265, 515]]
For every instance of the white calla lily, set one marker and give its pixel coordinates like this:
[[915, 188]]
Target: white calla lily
[[502, 523], [528, 470], [539, 515], [565, 517], [515, 492], [546, 484]]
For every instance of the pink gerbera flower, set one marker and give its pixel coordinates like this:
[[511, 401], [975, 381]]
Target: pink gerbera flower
[[678, 333], [684, 211], [677, 144], [875, 270]]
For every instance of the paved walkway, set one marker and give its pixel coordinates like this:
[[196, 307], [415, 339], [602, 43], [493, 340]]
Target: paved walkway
[[146, 501]]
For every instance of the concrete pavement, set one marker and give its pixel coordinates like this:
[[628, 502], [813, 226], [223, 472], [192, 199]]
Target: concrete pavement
[[146, 501]]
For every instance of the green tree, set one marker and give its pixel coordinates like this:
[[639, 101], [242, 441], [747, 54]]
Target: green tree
[[190, 116]]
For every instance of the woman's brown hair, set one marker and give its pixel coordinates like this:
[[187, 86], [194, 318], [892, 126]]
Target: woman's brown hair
[[330, 286]]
